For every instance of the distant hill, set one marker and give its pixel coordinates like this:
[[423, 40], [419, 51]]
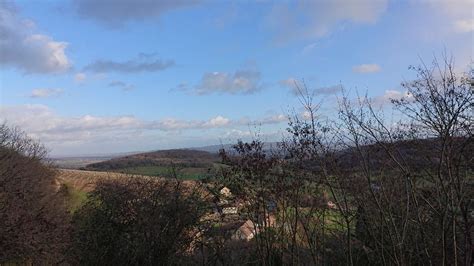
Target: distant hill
[[189, 164], [267, 146], [178, 157]]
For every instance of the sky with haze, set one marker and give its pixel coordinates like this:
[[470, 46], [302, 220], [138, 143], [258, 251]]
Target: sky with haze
[[107, 76]]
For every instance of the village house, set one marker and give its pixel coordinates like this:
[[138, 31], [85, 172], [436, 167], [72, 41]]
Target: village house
[[225, 192], [246, 231], [229, 210], [331, 205]]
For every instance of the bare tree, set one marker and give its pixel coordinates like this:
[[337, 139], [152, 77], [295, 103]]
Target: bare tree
[[400, 193], [138, 220], [33, 218]]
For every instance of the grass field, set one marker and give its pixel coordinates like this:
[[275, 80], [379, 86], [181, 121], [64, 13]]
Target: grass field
[[75, 198], [189, 173], [78, 183]]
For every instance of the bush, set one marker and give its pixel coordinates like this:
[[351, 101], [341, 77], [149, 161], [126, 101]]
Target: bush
[[33, 218], [136, 221]]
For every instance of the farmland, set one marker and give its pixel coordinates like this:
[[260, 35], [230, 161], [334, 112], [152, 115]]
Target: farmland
[[183, 164]]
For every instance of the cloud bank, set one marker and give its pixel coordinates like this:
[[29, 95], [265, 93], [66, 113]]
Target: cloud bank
[[58, 131]]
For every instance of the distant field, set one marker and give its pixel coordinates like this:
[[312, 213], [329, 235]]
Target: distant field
[[189, 164], [77, 162], [78, 183], [189, 173]]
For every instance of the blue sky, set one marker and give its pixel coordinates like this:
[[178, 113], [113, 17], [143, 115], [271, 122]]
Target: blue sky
[[89, 77]]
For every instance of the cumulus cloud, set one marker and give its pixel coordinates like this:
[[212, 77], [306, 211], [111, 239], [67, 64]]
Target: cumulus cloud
[[45, 93], [390, 95], [22, 47], [457, 13], [366, 68], [314, 19], [217, 121], [142, 63], [114, 13], [464, 25], [240, 82], [121, 85], [43, 122]]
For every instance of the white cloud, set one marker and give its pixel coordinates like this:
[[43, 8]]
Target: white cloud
[[22, 48], [240, 82], [366, 68], [80, 77], [453, 8], [238, 134], [464, 25], [390, 95], [218, 121], [314, 19], [58, 131], [274, 119], [45, 93], [457, 14]]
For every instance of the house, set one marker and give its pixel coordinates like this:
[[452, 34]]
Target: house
[[331, 205], [225, 192], [223, 202], [229, 210], [246, 231]]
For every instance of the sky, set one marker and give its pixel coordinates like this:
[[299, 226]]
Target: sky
[[107, 76]]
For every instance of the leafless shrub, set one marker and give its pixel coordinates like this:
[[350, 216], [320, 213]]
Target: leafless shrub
[[138, 220], [33, 218]]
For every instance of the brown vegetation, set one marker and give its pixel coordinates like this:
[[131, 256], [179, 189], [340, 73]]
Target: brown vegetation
[[177, 157], [33, 219]]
